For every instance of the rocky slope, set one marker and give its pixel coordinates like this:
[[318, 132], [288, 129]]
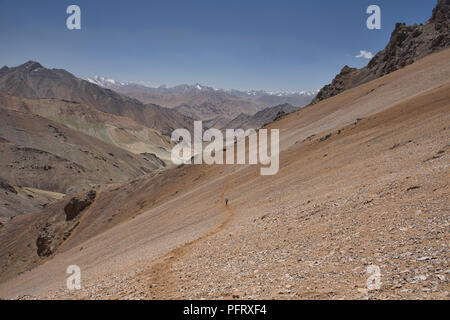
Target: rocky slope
[[406, 45], [363, 181], [41, 157], [119, 131], [46, 231]]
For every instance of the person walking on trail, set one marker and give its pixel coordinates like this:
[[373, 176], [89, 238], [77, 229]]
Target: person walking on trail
[[226, 201]]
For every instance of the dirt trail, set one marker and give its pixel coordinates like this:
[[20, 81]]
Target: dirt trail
[[161, 279]]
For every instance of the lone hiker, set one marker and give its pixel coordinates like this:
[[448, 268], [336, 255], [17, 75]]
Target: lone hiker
[[226, 201]]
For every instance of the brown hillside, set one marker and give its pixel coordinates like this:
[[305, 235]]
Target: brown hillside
[[374, 191]]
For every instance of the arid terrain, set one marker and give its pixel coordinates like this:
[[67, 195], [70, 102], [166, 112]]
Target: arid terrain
[[363, 181], [87, 179], [215, 106]]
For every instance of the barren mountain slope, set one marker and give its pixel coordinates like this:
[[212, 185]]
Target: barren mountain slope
[[119, 131], [32, 80], [363, 180], [44, 155]]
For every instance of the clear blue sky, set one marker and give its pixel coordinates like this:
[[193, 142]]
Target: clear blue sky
[[242, 44]]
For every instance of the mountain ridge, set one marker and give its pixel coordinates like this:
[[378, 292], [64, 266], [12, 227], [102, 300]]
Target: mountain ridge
[[207, 103], [261, 118], [406, 45], [32, 80], [183, 88]]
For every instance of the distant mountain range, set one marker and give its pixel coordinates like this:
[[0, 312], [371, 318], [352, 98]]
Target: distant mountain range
[[185, 88], [31, 80], [262, 93], [204, 102]]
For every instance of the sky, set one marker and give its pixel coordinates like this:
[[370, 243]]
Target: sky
[[244, 44]]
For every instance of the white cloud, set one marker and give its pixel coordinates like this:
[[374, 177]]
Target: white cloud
[[365, 54]]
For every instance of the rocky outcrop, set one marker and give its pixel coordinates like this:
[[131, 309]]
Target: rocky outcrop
[[441, 14], [340, 83], [3, 70], [44, 243], [406, 45], [279, 115], [154, 159], [6, 186], [62, 224], [77, 205]]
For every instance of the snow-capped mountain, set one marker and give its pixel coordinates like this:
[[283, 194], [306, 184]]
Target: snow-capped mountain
[[162, 89], [105, 82], [185, 88], [205, 102], [260, 93]]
